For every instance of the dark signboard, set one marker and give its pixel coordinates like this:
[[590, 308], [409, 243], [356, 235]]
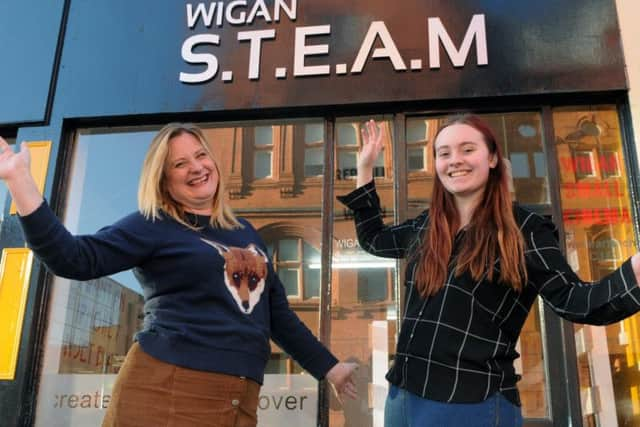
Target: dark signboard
[[124, 57], [28, 38]]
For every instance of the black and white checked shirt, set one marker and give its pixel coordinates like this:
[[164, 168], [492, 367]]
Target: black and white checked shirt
[[459, 344]]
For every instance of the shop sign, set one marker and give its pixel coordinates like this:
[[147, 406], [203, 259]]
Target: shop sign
[[200, 49]]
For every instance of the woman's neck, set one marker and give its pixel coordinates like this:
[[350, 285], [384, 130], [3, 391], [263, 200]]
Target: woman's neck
[[466, 207]]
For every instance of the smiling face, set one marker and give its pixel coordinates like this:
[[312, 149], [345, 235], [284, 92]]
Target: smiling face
[[463, 161], [191, 176]]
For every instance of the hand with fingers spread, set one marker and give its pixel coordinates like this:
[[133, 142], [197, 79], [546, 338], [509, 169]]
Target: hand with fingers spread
[[15, 171], [372, 137], [342, 381], [13, 165]]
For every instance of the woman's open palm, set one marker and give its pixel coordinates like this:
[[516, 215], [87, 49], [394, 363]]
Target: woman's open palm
[[11, 164], [372, 135]]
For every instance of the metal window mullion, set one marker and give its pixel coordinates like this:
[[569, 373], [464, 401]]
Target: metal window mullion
[[326, 252]]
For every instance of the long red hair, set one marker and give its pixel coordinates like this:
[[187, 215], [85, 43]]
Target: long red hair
[[492, 233]]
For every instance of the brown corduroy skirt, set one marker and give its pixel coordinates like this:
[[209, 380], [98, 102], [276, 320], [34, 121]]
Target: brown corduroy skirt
[[149, 392]]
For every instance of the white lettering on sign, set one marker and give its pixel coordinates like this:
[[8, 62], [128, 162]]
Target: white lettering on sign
[[437, 33], [377, 44], [235, 12]]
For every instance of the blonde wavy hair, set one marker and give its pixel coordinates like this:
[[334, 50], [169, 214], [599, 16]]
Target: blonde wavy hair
[[153, 197]]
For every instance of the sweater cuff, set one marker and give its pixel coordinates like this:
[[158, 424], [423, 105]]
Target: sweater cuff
[[320, 371], [36, 224], [362, 197]]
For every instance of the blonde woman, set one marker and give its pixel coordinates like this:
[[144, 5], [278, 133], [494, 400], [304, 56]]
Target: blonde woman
[[212, 298]]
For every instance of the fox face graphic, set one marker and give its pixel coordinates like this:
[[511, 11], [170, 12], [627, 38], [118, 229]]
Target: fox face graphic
[[245, 270]]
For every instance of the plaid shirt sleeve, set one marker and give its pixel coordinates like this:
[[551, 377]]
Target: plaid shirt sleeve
[[606, 301], [373, 235]]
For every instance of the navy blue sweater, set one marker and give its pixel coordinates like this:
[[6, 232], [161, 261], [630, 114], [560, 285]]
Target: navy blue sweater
[[212, 298]]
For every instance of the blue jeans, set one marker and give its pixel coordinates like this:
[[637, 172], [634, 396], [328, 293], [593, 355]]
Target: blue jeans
[[405, 409]]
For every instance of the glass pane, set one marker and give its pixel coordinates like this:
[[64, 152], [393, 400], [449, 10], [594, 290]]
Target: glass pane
[[599, 236], [416, 130], [92, 324], [363, 315], [286, 210], [263, 135], [289, 278], [346, 134], [313, 132], [372, 284], [288, 250], [314, 161], [347, 161], [519, 165], [311, 254], [262, 164], [416, 159], [520, 138], [540, 162], [311, 282]]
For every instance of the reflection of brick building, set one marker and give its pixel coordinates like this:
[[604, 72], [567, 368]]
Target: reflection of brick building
[[102, 318]]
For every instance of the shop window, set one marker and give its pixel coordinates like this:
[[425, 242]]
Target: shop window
[[298, 266], [597, 216]]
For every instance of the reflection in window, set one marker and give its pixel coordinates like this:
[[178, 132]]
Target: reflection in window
[[597, 216], [313, 149], [416, 159], [583, 161], [263, 146], [519, 165], [609, 165], [540, 163], [417, 140], [298, 266], [372, 285], [348, 144]]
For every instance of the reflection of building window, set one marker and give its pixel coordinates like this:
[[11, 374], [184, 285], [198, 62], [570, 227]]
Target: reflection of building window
[[540, 163], [298, 266], [314, 149], [584, 164], [263, 152], [373, 285], [417, 139], [348, 144], [609, 165], [606, 249], [519, 165]]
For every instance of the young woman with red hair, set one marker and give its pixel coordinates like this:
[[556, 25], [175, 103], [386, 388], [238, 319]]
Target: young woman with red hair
[[476, 262]]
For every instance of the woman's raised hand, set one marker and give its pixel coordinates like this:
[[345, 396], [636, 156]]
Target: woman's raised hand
[[15, 171], [14, 165], [372, 135]]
